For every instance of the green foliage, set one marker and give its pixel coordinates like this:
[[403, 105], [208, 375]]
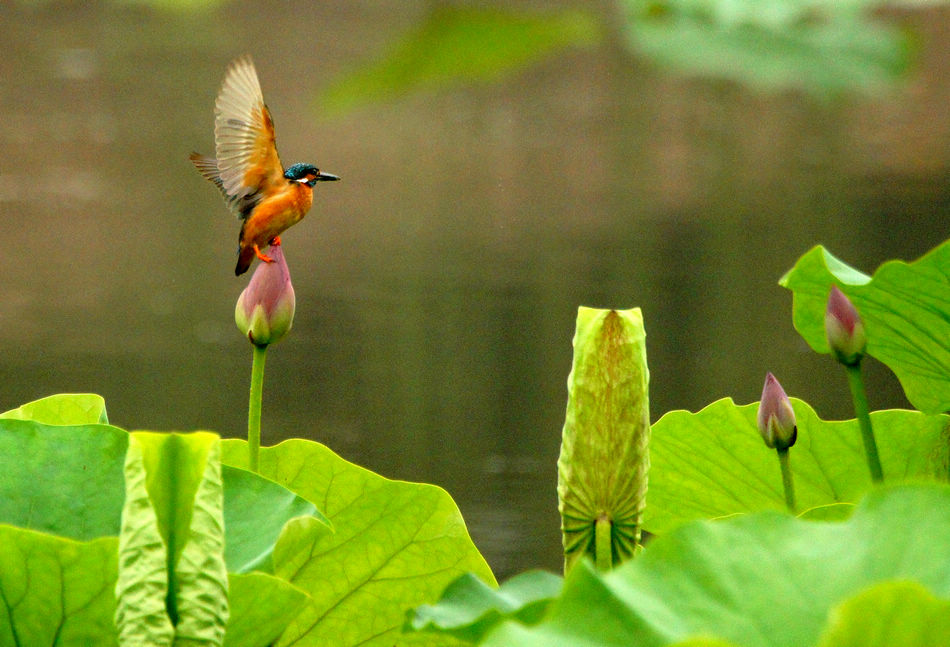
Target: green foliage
[[906, 314], [395, 545], [764, 580], [251, 537], [63, 409], [890, 614], [186, 516], [56, 591], [145, 598], [757, 577], [143, 528], [79, 577], [461, 44], [602, 469], [714, 464], [66, 578], [173, 585], [469, 608], [262, 606], [821, 46], [80, 493]]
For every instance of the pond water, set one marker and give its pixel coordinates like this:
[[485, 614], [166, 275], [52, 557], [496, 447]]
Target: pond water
[[437, 284]]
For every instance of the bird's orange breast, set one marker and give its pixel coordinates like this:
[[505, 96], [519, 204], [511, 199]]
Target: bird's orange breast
[[276, 213]]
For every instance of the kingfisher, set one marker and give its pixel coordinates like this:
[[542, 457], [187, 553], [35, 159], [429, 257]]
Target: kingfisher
[[247, 170]]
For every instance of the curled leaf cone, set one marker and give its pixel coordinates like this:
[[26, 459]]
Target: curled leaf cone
[[604, 462]]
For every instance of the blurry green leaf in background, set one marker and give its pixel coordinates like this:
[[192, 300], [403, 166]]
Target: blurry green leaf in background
[[461, 45], [890, 614], [821, 46]]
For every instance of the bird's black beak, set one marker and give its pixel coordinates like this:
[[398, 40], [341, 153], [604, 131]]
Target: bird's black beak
[[326, 177]]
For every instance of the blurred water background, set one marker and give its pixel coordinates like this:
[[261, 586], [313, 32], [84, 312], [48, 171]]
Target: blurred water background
[[437, 284]]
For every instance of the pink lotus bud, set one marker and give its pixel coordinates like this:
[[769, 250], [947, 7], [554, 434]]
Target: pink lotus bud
[[776, 417], [844, 329], [265, 309]]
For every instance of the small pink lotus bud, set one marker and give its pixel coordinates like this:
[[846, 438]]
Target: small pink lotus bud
[[265, 309], [776, 417], [844, 329]]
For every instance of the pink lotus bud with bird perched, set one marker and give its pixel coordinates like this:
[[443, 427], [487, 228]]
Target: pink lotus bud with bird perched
[[265, 309]]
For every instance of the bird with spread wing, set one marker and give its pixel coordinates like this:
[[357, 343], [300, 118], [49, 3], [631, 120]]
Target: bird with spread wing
[[247, 170]]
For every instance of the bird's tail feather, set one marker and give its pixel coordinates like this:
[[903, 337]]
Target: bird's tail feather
[[245, 258]]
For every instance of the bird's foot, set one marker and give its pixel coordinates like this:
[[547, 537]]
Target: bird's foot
[[262, 256], [275, 241]]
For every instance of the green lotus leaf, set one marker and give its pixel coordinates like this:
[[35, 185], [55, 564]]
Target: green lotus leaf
[[713, 463], [56, 591], [255, 511], [890, 614], [456, 44], [906, 312], [262, 606], [761, 580], [65, 480], [80, 497], [604, 460], [821, 47], [82, 490], [829, 512], [63, 409], [396, 545], [468, 608]]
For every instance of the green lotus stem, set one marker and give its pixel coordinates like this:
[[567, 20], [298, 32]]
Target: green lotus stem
[[254, 409], [787, 483], [860, 398], [603, 558]]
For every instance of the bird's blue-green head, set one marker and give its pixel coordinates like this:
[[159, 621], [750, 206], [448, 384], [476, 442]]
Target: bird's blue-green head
[[307, 174]]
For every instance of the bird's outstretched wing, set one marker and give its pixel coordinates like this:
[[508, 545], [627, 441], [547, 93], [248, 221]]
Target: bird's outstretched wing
[[247, 165]]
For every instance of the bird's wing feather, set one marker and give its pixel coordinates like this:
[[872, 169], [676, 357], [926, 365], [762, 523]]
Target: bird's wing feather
[[241, 205], [247, 161], [208, 167]]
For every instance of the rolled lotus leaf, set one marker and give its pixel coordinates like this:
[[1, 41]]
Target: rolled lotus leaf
[[602, 469]]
